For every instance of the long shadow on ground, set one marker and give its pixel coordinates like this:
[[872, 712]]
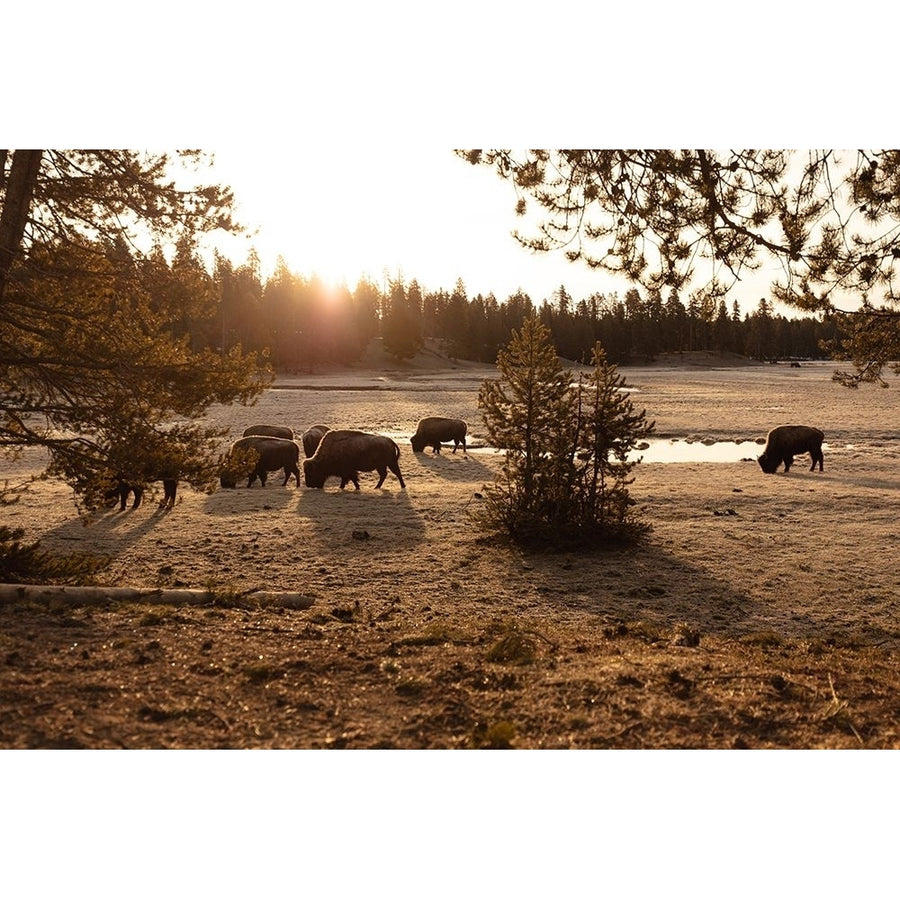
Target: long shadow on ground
[[648, 584], [458, 467], [228, 501], [382, 519], [113, 530]]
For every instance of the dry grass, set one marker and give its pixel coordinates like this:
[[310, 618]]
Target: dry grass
[[773, 626]]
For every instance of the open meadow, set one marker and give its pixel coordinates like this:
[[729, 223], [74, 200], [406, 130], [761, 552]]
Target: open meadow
[[761, 611]]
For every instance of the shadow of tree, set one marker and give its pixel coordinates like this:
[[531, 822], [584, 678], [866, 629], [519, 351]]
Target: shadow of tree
[[643, 583]]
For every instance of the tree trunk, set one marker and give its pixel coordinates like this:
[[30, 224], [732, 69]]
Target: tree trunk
[[91, 595], [23, 174]]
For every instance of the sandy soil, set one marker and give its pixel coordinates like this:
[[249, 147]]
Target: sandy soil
[[762, 611]]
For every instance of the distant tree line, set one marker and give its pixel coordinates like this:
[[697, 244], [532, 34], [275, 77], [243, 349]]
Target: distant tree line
[[302, 323]]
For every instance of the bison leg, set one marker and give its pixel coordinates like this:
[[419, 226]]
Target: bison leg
[[817, 457], [395, 468], [291, 470], [138, 496], [436, 446], [170, 486], [788, 462]]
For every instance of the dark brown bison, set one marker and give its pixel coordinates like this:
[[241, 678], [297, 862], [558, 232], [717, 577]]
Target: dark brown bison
[[124, 488], [281, 431], [268, 454], [311, 437], [345, 453], [431, 431], [787, 441]]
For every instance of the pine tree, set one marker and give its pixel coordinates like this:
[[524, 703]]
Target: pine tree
[[400, 334], [104, 357], [609, 431], [566, 469]]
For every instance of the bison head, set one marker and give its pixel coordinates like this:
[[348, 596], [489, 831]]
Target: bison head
[[768, 464], [312, 474], [418, 443]]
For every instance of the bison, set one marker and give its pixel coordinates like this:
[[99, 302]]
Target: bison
[[124, 488], [346, 453], [435, 429], [311, 437], [785, 442], [271, 454], [280, 431]]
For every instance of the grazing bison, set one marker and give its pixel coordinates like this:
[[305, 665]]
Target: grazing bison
[[311, 437], [346, 453], [786, 441], [280, 431], [435, 429], [124, 488], [271, 454]]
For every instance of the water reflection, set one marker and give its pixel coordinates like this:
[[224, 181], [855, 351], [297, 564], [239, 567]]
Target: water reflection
[[663, 451], [657, 450]]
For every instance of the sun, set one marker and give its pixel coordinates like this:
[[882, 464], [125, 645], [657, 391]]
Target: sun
[[316, 219]]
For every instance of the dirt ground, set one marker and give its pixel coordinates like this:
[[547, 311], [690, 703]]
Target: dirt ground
[[761, 611]]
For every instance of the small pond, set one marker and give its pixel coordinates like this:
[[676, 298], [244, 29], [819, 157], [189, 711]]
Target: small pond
[[656, 450], [661, 450]]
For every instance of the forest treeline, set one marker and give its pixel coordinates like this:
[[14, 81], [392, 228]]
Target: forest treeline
[[303, 323]]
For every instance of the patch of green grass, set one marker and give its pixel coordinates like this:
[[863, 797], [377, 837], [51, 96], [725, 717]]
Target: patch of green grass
[[515, 647], [156, 615], [434, 635], [498, 736], [411, 687], [259, 673], [226, 596]]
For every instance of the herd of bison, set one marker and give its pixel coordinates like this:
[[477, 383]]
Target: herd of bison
[[344, 453], [340, 452]]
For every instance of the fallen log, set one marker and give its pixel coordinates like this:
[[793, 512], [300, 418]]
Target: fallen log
[[90, 595]]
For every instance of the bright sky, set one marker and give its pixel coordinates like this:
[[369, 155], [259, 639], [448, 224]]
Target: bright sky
[[343, 212], [335, 123]]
